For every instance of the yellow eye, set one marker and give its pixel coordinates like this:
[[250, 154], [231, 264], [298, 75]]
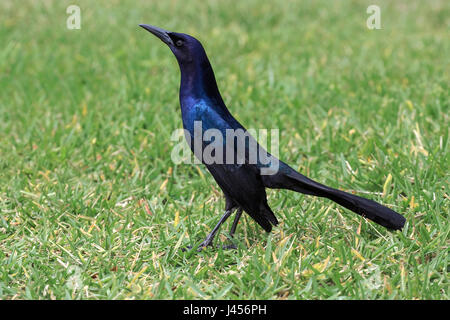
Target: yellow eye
[[179, 43]]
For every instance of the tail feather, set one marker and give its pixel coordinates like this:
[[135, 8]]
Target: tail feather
[[367, 208]]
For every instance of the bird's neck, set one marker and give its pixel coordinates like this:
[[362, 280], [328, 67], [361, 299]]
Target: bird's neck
[[199, 83]]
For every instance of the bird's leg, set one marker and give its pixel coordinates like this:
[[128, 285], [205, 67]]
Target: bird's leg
[[233, 229], [209, 239], [235, 222]]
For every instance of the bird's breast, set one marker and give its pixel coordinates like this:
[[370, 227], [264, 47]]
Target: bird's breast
[[197, 113]]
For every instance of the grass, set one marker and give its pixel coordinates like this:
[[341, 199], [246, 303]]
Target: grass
[[92, 207]]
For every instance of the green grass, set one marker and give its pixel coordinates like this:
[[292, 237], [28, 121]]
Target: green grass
[[92, 207]]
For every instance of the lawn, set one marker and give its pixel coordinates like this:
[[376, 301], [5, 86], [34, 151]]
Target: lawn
[[92, 206]]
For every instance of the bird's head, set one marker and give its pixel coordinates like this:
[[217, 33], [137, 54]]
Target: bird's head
[[185, 47]]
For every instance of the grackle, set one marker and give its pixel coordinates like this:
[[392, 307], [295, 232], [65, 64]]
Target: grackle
[[243, 182]]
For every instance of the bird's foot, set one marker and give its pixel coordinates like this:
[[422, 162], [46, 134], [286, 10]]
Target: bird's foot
[[205, 244], [229, 247], [201, 246]]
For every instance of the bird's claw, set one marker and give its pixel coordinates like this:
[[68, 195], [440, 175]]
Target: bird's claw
[[199, 248], [229, 247], [203, 245]]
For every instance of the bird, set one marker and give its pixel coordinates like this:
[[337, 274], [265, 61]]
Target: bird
[[244, 182]]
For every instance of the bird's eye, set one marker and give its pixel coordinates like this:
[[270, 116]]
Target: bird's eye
[[179, 43]]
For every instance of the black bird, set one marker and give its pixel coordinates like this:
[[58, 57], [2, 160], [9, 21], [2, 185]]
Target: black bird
[[243, 181]]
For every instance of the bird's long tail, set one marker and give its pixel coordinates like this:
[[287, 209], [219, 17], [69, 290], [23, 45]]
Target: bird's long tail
[[368, 208]]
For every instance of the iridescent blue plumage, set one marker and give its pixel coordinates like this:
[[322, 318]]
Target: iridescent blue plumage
[[244, 183]]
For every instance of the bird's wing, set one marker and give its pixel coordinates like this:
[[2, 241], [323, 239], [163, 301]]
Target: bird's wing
[[238, 143], [244, 185], [230, 162]]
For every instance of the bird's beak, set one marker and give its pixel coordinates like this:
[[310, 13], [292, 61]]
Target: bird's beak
[[160, 33]]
